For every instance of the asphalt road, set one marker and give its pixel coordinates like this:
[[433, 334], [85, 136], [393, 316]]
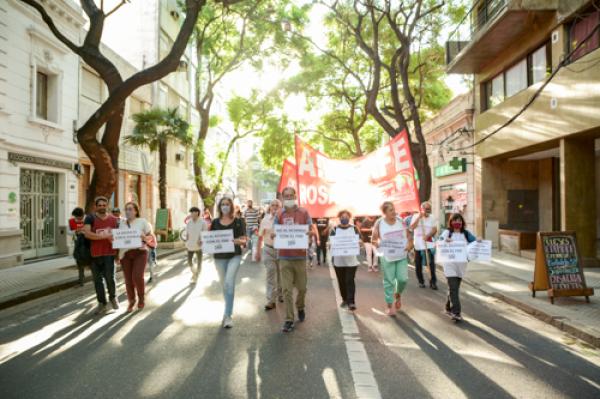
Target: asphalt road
[[54, 347]]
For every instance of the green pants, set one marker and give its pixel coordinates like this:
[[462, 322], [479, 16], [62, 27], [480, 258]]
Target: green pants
[[293, 274], [395, 276]]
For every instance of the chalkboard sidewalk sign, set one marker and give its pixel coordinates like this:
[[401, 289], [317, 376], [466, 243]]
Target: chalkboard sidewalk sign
[[558, 267]]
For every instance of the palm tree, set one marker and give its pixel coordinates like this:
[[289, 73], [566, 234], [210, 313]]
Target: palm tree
[[155, 128]]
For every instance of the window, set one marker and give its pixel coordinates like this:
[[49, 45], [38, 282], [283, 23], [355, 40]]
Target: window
[[580, 30], [516, 78], [91, 86], [538, 65], [41, 100], [494, 91]]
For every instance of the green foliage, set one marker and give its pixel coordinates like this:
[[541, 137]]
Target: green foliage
[[157, 126]]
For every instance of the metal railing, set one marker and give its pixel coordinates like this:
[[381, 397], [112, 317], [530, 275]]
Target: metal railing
[[481, 13]]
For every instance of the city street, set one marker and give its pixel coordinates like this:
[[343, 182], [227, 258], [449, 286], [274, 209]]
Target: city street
[[54, 347]]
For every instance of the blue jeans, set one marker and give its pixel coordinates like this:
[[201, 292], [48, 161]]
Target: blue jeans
[[103, 268], [250, 234], [228, 269]]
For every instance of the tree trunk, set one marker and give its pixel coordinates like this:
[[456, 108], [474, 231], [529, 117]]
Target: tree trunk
[[162, 174]]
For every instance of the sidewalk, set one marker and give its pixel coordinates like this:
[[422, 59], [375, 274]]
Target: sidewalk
[[507, 278], [23, 283]]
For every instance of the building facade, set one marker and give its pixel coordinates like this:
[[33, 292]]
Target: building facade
[[38, 112], [537, 125]]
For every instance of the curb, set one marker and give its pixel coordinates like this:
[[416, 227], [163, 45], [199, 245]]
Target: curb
[[59, 286]]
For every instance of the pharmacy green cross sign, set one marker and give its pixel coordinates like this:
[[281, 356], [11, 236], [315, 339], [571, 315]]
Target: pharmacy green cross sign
[[456, 165]]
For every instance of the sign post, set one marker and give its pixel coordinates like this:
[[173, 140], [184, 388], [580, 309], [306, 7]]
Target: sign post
[[557, 267]]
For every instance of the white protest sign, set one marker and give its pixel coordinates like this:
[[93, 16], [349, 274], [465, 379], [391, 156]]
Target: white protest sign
[[393, 245], [450, 252], [480, 251], [345, 244], [291, 236], [217, 241], [126, 238]]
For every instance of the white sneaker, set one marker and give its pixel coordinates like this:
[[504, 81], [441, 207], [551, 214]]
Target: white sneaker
[[227, 322]]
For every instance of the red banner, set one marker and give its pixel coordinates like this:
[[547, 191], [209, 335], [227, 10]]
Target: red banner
[[288, 176], [361, 185]]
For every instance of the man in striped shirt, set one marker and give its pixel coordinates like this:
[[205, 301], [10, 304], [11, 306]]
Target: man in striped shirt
[[251, 218]]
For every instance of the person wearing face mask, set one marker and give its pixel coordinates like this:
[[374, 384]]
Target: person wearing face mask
[[424, 227], [455, 271], [395, 268], [293, 261], [268, 254], [228, 264], [345, 266], [134, 260], [97, 228]]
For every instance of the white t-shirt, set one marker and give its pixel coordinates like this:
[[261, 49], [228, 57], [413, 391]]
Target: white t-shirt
[[266, 228], [138, 224], [454, 269], [424, 226], [194, 234], [389, 230]]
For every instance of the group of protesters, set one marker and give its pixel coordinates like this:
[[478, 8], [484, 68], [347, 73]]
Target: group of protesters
[[286, 269]]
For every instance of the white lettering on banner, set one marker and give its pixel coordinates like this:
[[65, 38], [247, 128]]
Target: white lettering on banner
[[126, 238], [311, 195], [400, 155], [480, 251], [218, 242], [451, 252], [345, 244], [307, 164], [291, 236]]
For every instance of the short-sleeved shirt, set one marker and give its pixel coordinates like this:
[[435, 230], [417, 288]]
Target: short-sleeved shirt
[[251, 217], [323, 229], [239, 230], [194, 234], [424, 227], [387, 231], [295, 216], [140, 225], [266, 229], [344, 261], [98, 226]]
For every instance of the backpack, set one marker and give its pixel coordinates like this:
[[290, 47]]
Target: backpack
[[82, 251]]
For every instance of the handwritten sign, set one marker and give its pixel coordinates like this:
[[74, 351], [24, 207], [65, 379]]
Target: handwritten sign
[[480, 251], [451, 252], [291, 236], [345, 244], [393, 245], [126, 238], [217, 242]]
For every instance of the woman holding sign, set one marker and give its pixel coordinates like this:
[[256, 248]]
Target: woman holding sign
[[454, 271], [228, 263], [134, 260], [391, 236], [345, 239]]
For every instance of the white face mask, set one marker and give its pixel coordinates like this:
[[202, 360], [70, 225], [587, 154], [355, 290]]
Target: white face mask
[[289, 203], [225, 209]]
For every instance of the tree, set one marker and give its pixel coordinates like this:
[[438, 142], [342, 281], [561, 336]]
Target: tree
[[156, 128], [398, 41], [226, 39], [104, 154]]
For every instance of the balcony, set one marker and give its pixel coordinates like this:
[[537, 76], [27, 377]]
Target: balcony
[[489, 27]]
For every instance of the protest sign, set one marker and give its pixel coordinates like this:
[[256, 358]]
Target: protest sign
[[217, 241], [126, 238], [291, 236]]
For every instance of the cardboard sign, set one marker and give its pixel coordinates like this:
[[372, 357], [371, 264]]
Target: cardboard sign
[[557, 266], [480, 251], [291, 236], [345, 244], [393, 245], [217, 242], [451, 252], [126, 238]]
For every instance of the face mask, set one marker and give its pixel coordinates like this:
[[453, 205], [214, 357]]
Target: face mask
[[225, 209], [289, 203], [345, 220], [456, 225], [130, 214]]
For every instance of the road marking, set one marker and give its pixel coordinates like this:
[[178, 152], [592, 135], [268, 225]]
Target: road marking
[[365, 384]]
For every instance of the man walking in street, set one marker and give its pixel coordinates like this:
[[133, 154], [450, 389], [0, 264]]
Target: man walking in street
[[194, 229], [251, 219], [293, 261], [98, 228], [269, 256], [424, 227]]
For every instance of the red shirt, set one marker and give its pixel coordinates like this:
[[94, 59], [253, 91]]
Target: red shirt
[[102, 247], [74, 224]]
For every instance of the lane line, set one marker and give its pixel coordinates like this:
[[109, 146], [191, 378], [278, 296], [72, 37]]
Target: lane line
[[365, 384]]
